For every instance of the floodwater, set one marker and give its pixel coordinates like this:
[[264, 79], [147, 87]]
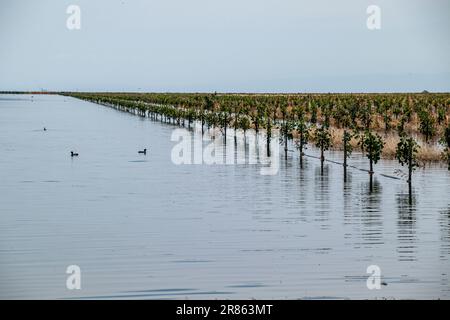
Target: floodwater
[[142, 227]]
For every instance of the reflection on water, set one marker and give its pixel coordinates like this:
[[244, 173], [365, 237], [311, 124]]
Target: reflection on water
[[445, 232], [322, 195], [406, 227], [372, 214], [142, 227]]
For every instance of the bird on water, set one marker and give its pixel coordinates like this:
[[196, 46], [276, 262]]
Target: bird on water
[[73, 154], [143, 151]]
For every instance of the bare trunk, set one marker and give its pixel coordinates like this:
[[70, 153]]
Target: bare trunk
[[410, 168], [322, 159], [345, 158]]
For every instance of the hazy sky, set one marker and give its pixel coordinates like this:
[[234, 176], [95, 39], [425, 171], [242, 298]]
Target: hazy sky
[[225, 45]]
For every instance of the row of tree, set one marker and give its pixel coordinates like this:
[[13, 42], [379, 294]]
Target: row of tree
[[425, 113], [308, 117]]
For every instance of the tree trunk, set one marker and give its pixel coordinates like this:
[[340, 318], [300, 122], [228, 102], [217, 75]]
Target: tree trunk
[[203, 124], [301, 149], [225, 133], [410, 168], [345, 158], [268, 134], [345, 162], [285, 136], [322, 159], [285, 143]]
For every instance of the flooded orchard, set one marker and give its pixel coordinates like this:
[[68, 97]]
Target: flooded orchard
[[140, 226]]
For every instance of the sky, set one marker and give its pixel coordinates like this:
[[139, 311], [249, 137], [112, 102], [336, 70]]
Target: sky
[[225, 46]]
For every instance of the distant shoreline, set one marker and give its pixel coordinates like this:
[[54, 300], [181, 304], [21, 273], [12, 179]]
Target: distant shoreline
[[227, 93]]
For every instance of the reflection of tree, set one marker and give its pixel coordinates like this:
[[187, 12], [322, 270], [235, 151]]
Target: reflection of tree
[[347, 193], [444, 222], [303, 179], [322, 185], [371, 212], [304, 182], [372, 199], [406, 225], [322, 193]]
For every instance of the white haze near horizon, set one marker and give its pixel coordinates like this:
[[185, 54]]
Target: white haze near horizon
[[225, 46]]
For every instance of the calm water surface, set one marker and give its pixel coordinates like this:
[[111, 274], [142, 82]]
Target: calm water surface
[[142, 227]]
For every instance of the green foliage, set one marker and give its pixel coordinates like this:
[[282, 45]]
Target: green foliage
[[257, 116], [304, 132], [446, 157], [224, 119], [322, 138], [406, 152], [326, 112], [365, 114], [190, 115], [441, 114], [406, 111], [346, 138], [268, 124], [445, 141], [401, 126], [302, 128], [244, 123], [313, 109], [427, 124], [373, 145], [446, 138], [286, 128], [209, 103], [212, 119]]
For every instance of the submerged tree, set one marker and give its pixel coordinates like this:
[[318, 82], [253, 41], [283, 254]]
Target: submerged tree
[[256, 116], [322, 139], [426, 126], [348, 149], [373, 145], [206, 107], [225, 119], [237, 112], [445, 141], [346, 122], [269, 125], [303, 132], [406, 154], [244, 124], [284, 127], [190, 115]]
